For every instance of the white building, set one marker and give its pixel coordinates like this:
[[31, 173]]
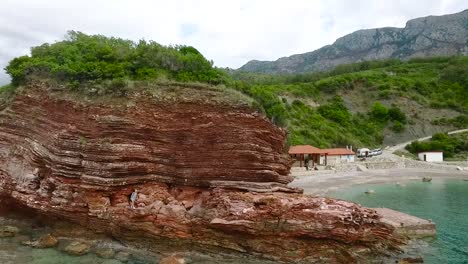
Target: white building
[[336, 156], [431, 156]]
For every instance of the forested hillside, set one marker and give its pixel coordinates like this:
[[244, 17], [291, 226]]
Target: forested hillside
[[367, 103]]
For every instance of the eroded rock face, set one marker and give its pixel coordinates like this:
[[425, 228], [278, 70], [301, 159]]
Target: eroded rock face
[[210, 175]]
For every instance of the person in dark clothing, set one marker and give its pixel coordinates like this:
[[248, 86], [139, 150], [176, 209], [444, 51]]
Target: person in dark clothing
[[306, 164]]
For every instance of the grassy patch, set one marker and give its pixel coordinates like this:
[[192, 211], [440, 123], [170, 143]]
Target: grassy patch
[[7, 93]]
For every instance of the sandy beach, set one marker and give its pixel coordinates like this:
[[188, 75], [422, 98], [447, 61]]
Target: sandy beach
[[323, 183]]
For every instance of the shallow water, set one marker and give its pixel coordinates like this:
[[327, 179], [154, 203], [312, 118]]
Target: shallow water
[[445, 202]]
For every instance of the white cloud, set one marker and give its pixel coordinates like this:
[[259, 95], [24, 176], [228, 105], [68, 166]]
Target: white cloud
[[228, 32]]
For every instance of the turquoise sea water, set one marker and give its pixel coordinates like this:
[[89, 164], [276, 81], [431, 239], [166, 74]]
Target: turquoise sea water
[[445, 202]]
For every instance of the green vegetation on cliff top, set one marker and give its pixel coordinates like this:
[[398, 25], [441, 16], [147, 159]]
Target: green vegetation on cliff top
[[84, 58], [353, 104]]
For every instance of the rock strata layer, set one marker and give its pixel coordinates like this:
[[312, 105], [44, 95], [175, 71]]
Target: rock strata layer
[[209, 175]]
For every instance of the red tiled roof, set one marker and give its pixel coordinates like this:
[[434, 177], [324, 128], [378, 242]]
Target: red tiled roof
[[305, 149], [339, 151]]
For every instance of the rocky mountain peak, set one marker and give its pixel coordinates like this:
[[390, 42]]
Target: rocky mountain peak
[[421, 37]]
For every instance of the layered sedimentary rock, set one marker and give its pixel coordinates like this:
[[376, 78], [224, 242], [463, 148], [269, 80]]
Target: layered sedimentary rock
[[210, 174]]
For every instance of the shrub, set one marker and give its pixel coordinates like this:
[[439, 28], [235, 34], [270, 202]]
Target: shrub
[[117, 87], [398, 127], [379, 112], [336, 111], [396, 114]]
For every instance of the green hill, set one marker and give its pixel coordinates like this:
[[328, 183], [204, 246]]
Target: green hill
[[369, 103]]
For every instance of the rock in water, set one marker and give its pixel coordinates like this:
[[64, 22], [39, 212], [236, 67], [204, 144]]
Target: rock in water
[[172, 260], [106, 253], [411, 260], [78, 248], [8, 231], [427, 179], [46, 241], [122, 256], [208, 170]]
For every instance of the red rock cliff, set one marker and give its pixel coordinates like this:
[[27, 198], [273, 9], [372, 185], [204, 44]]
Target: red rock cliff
[[208, 171]]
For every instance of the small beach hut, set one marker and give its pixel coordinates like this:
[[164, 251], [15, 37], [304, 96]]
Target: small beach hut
[[431, 156]]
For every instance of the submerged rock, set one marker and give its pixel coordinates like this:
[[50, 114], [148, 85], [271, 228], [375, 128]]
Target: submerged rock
[[8, 231], [46, 241], [426, 179], [172, 260], [411, 260], [78, 248], [122, 256], [106, 253]]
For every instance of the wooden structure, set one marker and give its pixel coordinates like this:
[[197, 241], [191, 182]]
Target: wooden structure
[[301, 152]]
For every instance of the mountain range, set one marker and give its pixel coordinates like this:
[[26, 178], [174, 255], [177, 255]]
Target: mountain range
[[430, 36]]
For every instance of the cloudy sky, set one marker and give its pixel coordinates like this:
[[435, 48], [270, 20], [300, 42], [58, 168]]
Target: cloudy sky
[[228, 32]]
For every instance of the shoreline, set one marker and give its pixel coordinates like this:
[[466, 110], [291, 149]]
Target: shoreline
[[322, 184]]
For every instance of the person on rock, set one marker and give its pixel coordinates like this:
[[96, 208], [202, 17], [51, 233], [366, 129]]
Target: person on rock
[[133, 198]]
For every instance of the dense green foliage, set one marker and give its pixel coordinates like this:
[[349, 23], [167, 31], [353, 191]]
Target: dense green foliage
[[83, 58], [454, 145]]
